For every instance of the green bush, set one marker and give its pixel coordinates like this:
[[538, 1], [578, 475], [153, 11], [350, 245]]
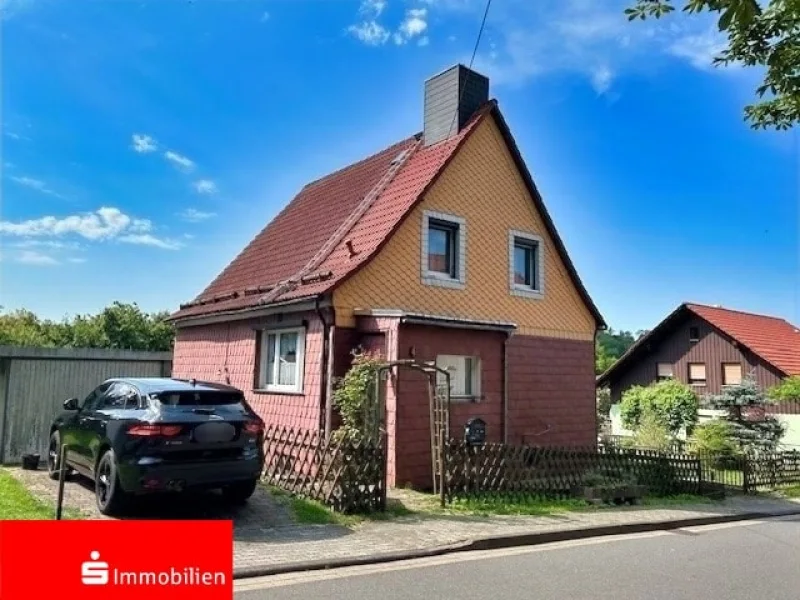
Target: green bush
[[714, 437], [652, 434], [787, 390], [673, 404]]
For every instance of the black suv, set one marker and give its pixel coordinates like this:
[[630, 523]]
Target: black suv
[[136, 436]]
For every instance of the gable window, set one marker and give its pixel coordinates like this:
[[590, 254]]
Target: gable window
[[697, 373], [443, 250], [282, 360], [731, 373], [664, 371], [525, 264], [694, 334], [465, 375]]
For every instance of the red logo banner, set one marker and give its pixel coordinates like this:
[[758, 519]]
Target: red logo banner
[[116, 559]]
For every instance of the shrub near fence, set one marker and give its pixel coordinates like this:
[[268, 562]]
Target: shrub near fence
[[500, 469], [346, 475]]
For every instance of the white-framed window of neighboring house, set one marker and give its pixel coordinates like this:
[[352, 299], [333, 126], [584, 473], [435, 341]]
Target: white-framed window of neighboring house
[[465, 375], [444, 244], [526, 264], [664, 371], [697, 373], [282, 360], [731, 373]]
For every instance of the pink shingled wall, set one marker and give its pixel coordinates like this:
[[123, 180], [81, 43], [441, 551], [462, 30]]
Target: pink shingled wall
[[226, 353]]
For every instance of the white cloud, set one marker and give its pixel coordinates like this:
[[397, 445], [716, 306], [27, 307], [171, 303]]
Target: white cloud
[[370, 32], [601, 79], [589, 39], [205, 186], [264, 17], [147, 239], [76, 259], [12, 135], [195, 216], [372, 8], [143, 143], [699, 49], [179, 160], [423, 41], [32, 257], [35, 184], [414, 23], [106, 223]]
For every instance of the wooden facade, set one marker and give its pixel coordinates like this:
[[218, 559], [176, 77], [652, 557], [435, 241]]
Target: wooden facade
[[673, 343]]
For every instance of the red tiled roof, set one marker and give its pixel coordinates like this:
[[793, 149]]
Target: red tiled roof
[[306, 250], [773, 339]]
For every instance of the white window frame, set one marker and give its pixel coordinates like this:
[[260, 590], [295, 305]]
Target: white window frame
[[301, 360], [476, 375], [517, 289], [436, 278]]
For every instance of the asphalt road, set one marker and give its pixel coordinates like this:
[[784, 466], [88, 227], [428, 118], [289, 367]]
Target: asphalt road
[[742, 561]]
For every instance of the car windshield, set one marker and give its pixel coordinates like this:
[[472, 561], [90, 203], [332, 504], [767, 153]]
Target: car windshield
[[198, 398]]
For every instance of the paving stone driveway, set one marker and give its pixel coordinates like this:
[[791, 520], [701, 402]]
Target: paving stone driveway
[[259, 526]]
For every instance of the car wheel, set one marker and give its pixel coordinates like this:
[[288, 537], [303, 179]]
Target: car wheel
[[54, 457], [109, 494], [239, 492]]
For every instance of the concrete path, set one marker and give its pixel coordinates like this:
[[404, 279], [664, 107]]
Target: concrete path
[[266, 540]]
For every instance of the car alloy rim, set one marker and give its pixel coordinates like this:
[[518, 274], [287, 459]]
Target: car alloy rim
[[104, 482]]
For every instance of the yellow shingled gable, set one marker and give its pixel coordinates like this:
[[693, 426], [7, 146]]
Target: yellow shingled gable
[[483, 186]]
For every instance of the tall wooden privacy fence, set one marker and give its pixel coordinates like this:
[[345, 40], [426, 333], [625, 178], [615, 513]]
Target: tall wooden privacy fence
[[520, 471], [345, 474]]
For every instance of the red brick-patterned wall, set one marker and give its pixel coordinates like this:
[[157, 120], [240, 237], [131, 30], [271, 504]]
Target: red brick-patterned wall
[[413, 440], [551, 392], [226, 353]]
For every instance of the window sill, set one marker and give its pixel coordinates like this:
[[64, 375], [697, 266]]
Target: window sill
[[703, 384], [278, 392], [441, 280], [526, 292], [466, 399]]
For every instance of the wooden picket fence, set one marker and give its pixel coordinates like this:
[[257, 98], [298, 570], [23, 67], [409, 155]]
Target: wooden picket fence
[[500, 469], [345, 474], [525, 471]]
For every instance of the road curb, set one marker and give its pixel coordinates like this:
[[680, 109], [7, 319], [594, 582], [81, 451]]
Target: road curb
[[505, 541]]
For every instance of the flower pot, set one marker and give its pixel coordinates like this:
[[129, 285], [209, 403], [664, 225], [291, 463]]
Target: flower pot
[[30, 462]]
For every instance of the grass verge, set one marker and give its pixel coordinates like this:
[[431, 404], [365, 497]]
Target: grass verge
[[408, 502], [311, 512], [792, 491], [17, 503]]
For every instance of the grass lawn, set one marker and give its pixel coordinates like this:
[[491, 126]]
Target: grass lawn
[[792, 491], [408, 502], [18, 503]]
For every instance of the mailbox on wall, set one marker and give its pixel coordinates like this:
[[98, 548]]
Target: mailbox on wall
[[475, 432]]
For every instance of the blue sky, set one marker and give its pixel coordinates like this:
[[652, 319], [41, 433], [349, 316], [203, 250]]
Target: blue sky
[[145, 143]]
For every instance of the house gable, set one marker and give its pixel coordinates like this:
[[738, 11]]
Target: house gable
[[483, 186]]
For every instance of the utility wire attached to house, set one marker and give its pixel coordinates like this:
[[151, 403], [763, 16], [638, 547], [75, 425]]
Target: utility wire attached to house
[[471, 60]]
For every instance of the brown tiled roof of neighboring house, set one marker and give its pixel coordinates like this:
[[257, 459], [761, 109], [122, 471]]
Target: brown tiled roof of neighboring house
[[775, 340], [338, 223]]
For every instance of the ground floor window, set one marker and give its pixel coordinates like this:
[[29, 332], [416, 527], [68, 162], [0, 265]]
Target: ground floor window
[[465, 374], [282, 360]]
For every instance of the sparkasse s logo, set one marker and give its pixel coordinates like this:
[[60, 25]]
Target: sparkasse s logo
[[118, 559]]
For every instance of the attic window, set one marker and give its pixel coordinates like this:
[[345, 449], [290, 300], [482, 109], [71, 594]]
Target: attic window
[[525, 264], [694, 334], [443, 250]]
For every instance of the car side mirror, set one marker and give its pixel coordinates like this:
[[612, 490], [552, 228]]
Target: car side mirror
[[71, 404]]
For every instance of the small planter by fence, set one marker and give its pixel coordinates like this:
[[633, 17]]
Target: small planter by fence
[[611, 494], [30, 462]]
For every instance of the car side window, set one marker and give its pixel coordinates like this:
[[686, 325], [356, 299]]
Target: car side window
[[91, 401], [116, 396]]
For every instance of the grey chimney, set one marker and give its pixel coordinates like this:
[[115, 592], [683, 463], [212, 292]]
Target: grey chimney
[[451, 98]]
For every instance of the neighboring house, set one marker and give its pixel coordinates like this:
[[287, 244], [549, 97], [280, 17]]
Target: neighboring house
[[708, 347], [438, 248]]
